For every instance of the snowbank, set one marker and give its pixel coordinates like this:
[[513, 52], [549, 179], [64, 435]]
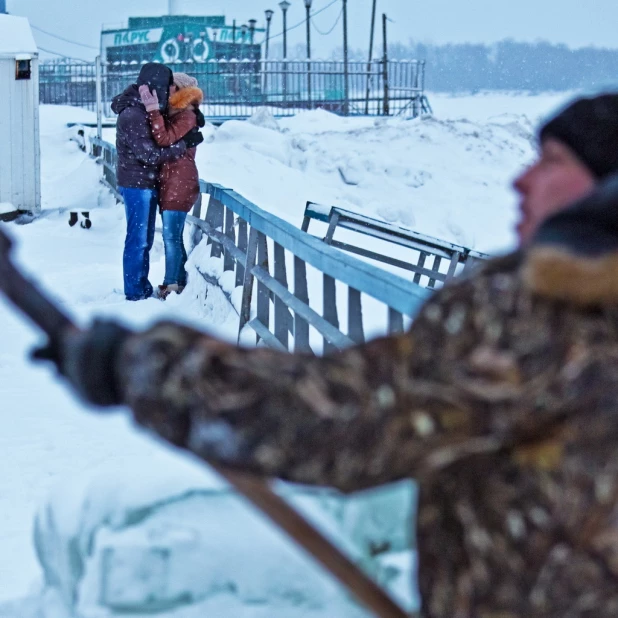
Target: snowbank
[[447, 176]]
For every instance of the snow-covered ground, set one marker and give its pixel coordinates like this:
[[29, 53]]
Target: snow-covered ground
[[447, 176]]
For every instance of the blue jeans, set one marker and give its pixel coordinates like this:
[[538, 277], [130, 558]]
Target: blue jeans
[[175, 253], [141, 209]]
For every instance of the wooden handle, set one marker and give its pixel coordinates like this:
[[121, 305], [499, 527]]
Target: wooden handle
[[300, 530]]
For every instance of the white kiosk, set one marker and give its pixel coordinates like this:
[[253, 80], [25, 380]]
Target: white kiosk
[[20, 170]]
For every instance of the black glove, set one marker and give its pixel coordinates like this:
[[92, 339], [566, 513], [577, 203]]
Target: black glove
[[193, 138], [201, 121], [87, 359]]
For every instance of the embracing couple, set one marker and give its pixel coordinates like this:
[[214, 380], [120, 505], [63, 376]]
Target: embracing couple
[[156, 137]]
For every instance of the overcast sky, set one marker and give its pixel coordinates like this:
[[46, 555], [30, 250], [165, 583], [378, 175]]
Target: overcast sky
[[573, 22]]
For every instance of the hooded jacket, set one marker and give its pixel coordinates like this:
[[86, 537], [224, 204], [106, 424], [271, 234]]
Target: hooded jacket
[[501, 400], [139, 157], [179, 179]]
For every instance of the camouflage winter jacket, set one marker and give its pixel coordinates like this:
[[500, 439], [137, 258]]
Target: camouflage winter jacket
[[501, 401]]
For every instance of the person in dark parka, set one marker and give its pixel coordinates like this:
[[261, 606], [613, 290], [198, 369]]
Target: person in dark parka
[[139, 160]]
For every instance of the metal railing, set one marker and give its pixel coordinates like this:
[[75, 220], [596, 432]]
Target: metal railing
[[264, 252], [235, 88]]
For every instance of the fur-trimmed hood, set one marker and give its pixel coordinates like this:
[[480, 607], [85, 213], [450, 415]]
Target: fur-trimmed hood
[[574, 257], [185, 98]]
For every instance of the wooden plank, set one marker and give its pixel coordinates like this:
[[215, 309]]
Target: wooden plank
[[330, 307], [242, 245], [281, 312], [266, 336], [332, 225], [421, 262], [263, 293], [453, 266], [301, 326], [333, 335], [228, 259], [355, 316], [389, 260], [214, 217], [395, 321], [247, 285], [437, 260]]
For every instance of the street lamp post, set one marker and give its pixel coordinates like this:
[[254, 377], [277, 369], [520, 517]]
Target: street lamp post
[[285, 5], [346, 80], [252, 23], [243, 32], [308, 10], [269, 15]]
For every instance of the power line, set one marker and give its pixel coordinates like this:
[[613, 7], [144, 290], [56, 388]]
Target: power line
[[333, 27], [60, 38], [55, 53], [304, 21]]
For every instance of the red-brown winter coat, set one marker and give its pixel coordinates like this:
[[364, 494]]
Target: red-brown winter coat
[[179, 179]]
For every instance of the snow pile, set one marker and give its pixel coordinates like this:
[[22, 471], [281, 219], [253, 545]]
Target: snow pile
[[6, 208], [446, 176], [171, 535]]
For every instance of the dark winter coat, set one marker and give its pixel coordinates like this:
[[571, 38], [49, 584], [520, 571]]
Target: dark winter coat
[[179, 179], [502, 401], [139, 157]]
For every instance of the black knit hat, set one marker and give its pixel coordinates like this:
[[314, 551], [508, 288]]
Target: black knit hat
[[158, 77], [589, 127]]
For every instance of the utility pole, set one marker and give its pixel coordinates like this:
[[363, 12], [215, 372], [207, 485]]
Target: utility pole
[[308, 10], [252, 23], [385, 65], [3, 7], [373, 26], [346, 76]]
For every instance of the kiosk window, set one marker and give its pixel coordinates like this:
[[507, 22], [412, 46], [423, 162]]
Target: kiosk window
[[23, 69]]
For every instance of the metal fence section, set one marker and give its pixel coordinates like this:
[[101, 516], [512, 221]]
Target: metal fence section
[[270, 258], [235, 88], [68, 82]]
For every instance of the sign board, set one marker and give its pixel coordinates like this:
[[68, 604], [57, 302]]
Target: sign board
[[121, 38], [226, 35]]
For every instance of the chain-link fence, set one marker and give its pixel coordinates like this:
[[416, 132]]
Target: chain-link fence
[[235, 88]]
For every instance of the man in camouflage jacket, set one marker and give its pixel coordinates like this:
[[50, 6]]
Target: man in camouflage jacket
[[501, 400]]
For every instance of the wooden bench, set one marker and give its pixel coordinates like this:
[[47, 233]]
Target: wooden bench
[[425, 246]]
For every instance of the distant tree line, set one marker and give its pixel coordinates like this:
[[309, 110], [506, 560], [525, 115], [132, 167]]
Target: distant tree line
[[508, 65]]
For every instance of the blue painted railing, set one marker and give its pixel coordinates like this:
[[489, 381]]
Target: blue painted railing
[[248, 239]]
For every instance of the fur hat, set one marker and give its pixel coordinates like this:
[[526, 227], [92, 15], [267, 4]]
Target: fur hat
[[182, 80], [589, 127]]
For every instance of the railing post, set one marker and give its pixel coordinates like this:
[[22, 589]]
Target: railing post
[[214, 216], [263, 294], [247, 286], [99, 94], [355, 316], [282, 313], [242, 245], [228, 260], [330, 308], [385, 66], [301, 326]]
